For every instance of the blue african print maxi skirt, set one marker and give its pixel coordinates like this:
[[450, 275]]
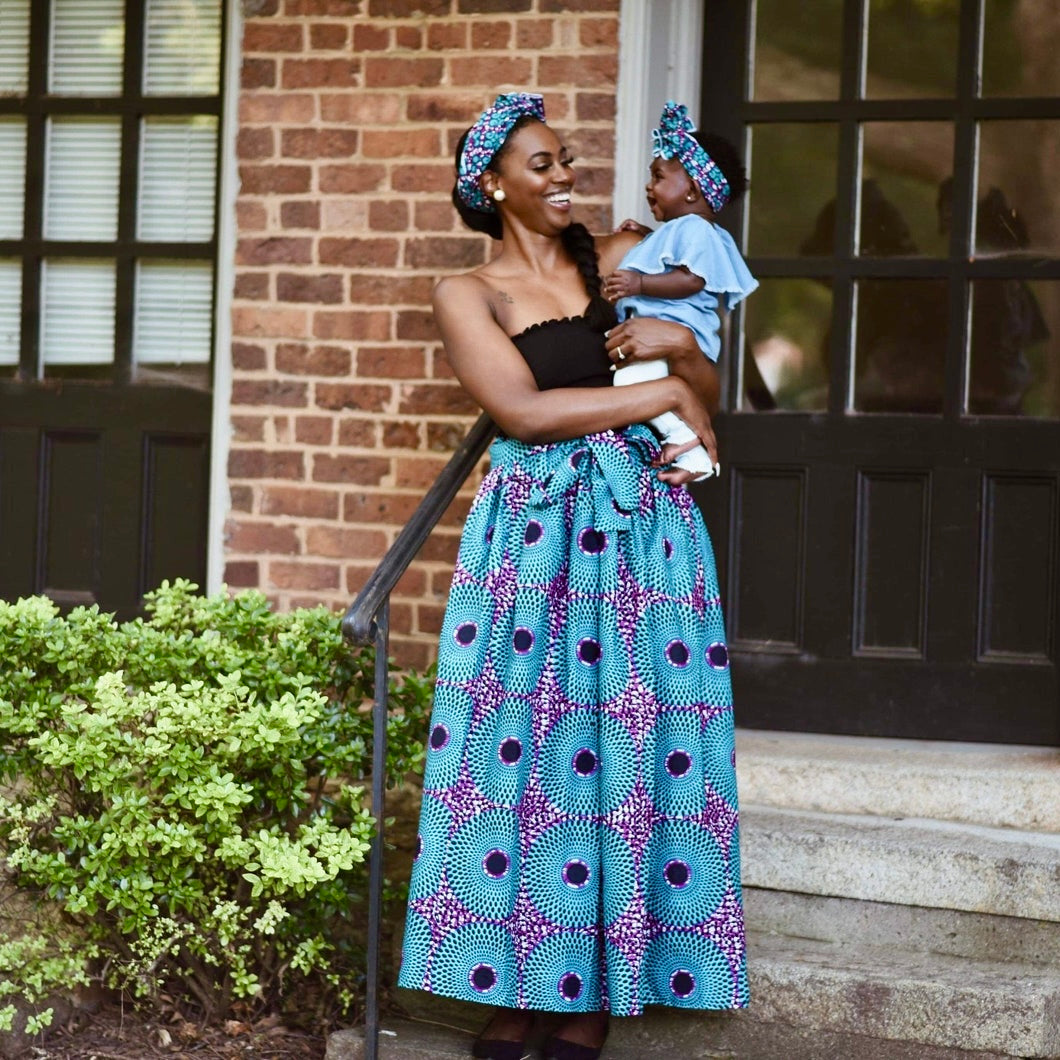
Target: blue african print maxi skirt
[[578, 846]]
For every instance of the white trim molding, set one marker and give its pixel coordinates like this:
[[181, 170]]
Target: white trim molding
[[660, 47]]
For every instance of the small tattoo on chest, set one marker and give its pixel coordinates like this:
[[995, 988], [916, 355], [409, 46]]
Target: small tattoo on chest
[[506, 298]]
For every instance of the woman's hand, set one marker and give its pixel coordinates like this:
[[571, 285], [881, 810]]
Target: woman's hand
[[623, 283], [629, 225]]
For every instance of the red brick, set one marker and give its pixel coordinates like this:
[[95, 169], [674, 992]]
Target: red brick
[[408, 8], [251, 216], [351, 326], [258, 73], [491, 34], [392, 72], [590, 71], [388, 215], [409, 37], [255, 142], [376, 508], [381, 253], [248, 428], [490, 7], [241, 498], [412, 583], [362, 108], [390, 290], [595, 180], [357, 433], [267, 180], [314, 430], [241, 575], [436, 398], [351, 178], [276, 392], [417, 324], [397, 143], [307, 503], [351, 470], [275, 250], [261, 36], [261, 537], [324, 8], [429, 618], [595, 106], [318, 143], [595, 143], [440, 366], [276, 107], [534, 34], [300, 213], [435, 217], [456, 513], [595, 216], [251, 286], [442, 252], [401, 434], [445, 437], [567, 6], [321, 73], [598, 32], [447, 36], [429, 106], [496, 70], [422, 177], [336, 542], [262, 8], [353, 396], [390, 362], [417, 474], [248, 358], [296, 359], [266, 463], [272, 323], [370, 38], [327, 36], [441, 547], [412, 654], [283, 575], [298, 287]]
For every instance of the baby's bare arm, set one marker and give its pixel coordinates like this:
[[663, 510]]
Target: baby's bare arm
[[677, 283]]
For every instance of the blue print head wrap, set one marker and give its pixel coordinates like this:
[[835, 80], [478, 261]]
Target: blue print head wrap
[[674, 139], [484, 140]]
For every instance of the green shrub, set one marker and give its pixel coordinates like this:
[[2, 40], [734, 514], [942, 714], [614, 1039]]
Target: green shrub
[[178, 795]]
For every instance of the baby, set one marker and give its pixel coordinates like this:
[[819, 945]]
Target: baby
[[688, 266]]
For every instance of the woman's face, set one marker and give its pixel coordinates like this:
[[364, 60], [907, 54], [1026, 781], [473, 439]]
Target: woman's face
[[536, 174]]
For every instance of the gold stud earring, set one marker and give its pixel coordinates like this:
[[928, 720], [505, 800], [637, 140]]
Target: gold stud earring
[[498, 195]]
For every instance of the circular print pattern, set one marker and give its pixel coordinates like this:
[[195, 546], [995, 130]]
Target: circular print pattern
[[668, 654], [665, 560], [683, 873], [593, 667], [674, 756], [618, 976], [480, 532], [593, 555], [415, 951], [718, 746], [563, 973], [465, 631], [686, 970], [446, 736], [500, 752], [476, 962], [537, 545], [520, 641], [432, 841], [483, 865]]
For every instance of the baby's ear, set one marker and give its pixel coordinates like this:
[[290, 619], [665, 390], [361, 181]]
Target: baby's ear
[[693, 192]]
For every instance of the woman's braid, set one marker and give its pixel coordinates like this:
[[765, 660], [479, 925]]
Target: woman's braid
[[582, 248]]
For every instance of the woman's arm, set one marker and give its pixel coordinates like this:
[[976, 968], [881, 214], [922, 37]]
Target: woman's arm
[[495, 374]]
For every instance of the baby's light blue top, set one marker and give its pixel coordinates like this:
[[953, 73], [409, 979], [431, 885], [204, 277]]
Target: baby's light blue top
[[704, 249]]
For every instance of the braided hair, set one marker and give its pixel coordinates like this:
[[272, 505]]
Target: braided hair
[[576, 238]]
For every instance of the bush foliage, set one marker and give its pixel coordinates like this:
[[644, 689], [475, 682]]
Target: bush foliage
[[179, 799]]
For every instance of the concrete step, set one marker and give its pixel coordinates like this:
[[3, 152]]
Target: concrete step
[[928, 863], [996, 785], [811, 1000]]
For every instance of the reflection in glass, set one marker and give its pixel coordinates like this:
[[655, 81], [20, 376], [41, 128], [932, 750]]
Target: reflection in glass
[[912, 49], [87, 47], [1015, 358], [1020, 45], [900, 345], [787, 328], [1017, 185], [797, 49], [10, 310], [793, 174], [905, 164]]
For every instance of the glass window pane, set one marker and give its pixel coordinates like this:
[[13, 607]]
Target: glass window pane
[[77, 312], [912, 49], [907, 167], [1021, 41], [12, 176], [174, 311], [793, 174], [787, 328], [10, 310], [1015, 361], [182, 47], [900, 345], [796, 49], [1018, 208], [81, 179], [87, 47], [14, 45], [177, 172]]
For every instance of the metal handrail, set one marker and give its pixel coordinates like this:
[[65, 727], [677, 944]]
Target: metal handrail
[[368, 621]]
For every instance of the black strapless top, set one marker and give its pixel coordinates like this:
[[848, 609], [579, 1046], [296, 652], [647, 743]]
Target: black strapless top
[[565, 352]]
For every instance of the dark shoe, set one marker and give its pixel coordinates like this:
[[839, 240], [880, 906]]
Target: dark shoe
[[561, 1049], [498, 1049]]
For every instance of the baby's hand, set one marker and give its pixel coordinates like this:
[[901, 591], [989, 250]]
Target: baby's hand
[[629, 225], [622, 284]]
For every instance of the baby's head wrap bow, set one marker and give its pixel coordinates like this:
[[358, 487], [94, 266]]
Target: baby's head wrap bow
[[485, 138], [674, 139]]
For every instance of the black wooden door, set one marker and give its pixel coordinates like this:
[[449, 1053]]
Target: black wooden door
[[889, 522]]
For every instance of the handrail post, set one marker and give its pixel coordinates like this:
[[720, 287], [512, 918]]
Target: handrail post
[[380, 716]]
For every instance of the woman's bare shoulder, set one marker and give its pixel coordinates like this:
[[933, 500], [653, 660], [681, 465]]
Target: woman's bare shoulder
[[611, 248]]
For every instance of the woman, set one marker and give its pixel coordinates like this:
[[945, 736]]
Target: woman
[[578, 845]]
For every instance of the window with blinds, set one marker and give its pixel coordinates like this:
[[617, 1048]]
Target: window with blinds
[[109, 124]]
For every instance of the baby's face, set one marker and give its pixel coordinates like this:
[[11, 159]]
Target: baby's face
[[670, 191]]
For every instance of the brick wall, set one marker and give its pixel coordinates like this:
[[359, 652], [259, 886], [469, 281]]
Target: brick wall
[[343, 405]]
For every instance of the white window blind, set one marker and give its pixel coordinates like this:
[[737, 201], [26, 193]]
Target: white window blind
[[81, 179], [87, 47], [178, 157], [182, 47], [10, 310], [14, 46], [77, 312], [12, 176], [173, 313]]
